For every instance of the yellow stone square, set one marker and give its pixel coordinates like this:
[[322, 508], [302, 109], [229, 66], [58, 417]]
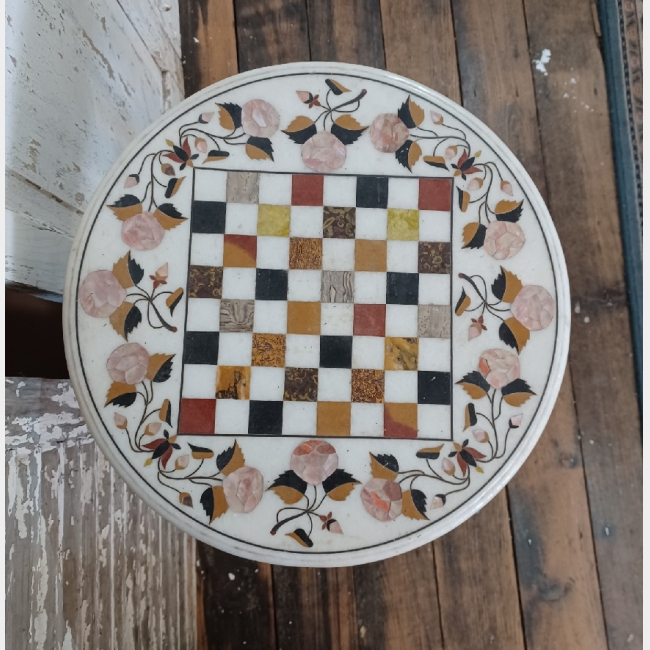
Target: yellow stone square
[[273, 220], [403, 225]]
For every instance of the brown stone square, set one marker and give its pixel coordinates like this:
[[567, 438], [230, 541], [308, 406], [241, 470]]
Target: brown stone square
[[307, 189], [435, 194], [300, 384], [401, 420], [305, 253], [269, 350], [401, 353], [205, 282], [370, 255], [303, 318], [333, 418], [434, 257], [240, 251], [369, 320], [339, 223], [233, 382], [368, 386]]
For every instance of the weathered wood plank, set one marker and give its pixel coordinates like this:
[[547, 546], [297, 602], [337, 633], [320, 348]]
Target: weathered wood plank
[[209, 42], [503, 96], [621, 51], [270, 32], [574, 129], [79, 558], [100, 56], [419, 42], [476, 575], [467, 584], [234, 589], [341, 30], [558, 577], [157, 25], [226, 586], [397, 603], [315, 608]]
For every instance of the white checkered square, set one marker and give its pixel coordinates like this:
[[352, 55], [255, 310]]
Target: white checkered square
[[275, 189], [299, 418], [306, 221], [199, 381], [367, 420], [203, 315], [207, 250], [270, 316], [235, 348], [232, 416], [267, 384]]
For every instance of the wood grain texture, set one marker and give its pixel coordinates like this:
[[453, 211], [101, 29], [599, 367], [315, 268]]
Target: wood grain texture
[[467, 583], [209, 43], [558, 577], [419, 43], [552, 576], [270, 32], [87, 565], [344, 30], [315, 608], [236, 608], [576, 132], [397, 602], [479, 605]]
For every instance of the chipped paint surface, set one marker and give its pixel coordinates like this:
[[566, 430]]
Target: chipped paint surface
[[86, 560], [542, 61], [126, 56]]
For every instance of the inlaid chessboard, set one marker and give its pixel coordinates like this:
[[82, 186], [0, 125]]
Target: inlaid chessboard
[[318, 305]]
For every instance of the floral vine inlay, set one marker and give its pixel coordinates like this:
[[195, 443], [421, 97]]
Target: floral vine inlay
[[221, 183], [403, 134], [497, 379], [324, 151], [314, 465], [532, 307]]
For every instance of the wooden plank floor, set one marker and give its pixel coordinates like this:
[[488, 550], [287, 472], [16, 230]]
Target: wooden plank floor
[[554, 561]]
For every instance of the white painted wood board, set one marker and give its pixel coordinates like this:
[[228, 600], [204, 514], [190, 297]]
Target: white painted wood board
[[88, 564], [82, 80]]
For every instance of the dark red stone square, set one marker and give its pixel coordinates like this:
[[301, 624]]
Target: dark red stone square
[[197, 416], [435, 194], [307, 189], [369, 320]]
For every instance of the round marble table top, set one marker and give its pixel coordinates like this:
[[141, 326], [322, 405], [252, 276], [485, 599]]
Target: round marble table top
[[317, 315]]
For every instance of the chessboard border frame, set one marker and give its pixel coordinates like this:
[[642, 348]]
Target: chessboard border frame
[[308, 436]]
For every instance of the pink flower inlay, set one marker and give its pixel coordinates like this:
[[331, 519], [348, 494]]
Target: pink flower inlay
[[142, 232], [534, 307], [503, 239], [243, 489], [100, 294], [323, 152], [128, 364], [259, 118], [314, 461], [388, 133], [499, 367], [382, 499]]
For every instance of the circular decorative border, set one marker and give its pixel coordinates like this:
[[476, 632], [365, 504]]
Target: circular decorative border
[[385, 549]]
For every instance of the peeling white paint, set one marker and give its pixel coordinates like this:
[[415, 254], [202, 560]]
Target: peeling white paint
[[82, 559], [542, 61]]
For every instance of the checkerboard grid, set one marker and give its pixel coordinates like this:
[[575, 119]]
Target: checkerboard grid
[[402, 222]]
